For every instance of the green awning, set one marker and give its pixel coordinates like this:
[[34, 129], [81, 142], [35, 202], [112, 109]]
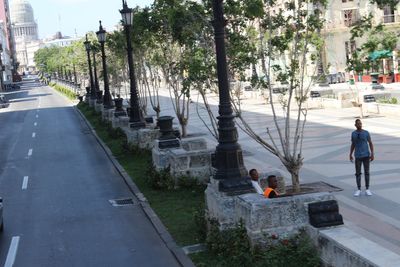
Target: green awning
[[380, 54]]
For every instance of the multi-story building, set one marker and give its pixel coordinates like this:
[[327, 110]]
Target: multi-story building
[[25, 31], [7, 42], [340, 16]]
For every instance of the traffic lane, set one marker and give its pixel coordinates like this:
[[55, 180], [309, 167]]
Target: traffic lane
[[15, 143], [67, 203]]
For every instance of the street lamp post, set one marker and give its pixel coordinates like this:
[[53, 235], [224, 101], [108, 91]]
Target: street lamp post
[[101, 36], [230, 169], [96, 80], [135, 117], [92, 86], [1, 69]]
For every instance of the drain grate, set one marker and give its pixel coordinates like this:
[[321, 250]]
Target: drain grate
[[121, 202]]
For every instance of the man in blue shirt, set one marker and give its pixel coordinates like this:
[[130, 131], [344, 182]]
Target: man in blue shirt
[[363, 149]]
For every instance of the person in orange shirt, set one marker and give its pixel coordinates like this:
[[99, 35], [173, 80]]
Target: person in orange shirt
[[270, 191]]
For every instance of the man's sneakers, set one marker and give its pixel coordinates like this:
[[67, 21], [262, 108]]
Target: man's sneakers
[[357, 193]]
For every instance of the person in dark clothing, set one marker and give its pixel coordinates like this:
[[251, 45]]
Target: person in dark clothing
[[270, 191]]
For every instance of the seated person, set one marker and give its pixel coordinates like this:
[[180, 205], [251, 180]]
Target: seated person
[[270, 191], [254, 181]]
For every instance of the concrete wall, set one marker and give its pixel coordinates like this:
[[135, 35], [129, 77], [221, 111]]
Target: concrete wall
[[339, 246]]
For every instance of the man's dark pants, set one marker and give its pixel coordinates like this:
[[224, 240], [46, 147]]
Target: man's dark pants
[[365, 162]]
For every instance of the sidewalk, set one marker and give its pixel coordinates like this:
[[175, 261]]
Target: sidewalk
[[325, 150]]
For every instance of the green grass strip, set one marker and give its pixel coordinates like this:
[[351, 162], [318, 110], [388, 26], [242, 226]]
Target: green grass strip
[[176, 208]]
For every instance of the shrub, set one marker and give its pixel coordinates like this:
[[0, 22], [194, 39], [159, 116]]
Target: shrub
[[161, 179], [232, 248], [186, 181], [385, 100], [200, 221]]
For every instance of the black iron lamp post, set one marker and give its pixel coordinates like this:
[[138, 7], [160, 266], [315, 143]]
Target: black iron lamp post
[[135, 117], [96, 80], [230, 169], [101, 36], [1, 69], [92, 87]]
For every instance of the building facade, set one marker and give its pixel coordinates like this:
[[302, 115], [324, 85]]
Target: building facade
[[8, 56], [25, 31], [341, 16]]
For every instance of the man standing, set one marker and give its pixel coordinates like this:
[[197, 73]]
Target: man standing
[[363, 149]]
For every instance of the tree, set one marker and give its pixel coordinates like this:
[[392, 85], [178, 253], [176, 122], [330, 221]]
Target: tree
[[289, 31]]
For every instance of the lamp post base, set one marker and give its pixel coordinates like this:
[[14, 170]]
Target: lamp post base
[[236, 186], [137, 125]]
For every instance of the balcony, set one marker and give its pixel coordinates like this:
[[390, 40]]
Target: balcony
[[392, 18]]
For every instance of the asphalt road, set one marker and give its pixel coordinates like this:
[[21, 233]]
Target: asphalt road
[[56, 183]]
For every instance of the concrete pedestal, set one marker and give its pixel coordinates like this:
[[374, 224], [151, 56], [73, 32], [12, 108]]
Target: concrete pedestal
[[107, 114], [92, 102], [143, 137], [98, 107], [262, 217], [121, 121]]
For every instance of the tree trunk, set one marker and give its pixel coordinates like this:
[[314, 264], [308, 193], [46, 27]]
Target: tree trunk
[[184, 130], [361, 111], [295, 180]]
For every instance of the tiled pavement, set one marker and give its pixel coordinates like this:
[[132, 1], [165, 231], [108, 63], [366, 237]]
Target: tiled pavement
[[326, 152]]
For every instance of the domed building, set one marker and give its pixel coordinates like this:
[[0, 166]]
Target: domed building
[[24, 25], [25, 31]]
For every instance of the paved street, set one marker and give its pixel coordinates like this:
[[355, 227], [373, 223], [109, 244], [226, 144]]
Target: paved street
[[56, 183], [326, 152]]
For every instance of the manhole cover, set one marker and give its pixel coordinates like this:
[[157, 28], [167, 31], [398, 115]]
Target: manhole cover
[[121, 202]]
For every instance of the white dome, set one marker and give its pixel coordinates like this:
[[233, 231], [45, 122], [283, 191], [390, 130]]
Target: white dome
[[21, 12]]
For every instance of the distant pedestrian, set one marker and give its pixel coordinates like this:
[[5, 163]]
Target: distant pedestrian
[[363, 149], [254, 181]]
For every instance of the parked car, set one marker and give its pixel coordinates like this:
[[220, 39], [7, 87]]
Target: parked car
[[315, 94], [248, 88], [341, 77], [369, 98], [331, 78]]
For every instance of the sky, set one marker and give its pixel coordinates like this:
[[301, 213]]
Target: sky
[[78, 16]]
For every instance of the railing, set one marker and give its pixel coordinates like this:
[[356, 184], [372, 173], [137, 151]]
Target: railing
[[390, 18]]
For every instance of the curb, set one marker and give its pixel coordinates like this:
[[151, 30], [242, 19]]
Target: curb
[[162, 231]]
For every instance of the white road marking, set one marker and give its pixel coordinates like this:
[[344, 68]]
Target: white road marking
[[35, 124], [12, 252], [33, 135], [25, 183], [30, 152], [37, 116]]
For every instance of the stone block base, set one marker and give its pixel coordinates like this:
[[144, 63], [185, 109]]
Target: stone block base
[[92, 102], [143, 138], [121, 121], [261, 216], [98, 107], [107, 114], [342, 247]]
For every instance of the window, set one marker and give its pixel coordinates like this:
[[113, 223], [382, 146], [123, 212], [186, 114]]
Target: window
[[350, 47], [350, 17], [388, 14]]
